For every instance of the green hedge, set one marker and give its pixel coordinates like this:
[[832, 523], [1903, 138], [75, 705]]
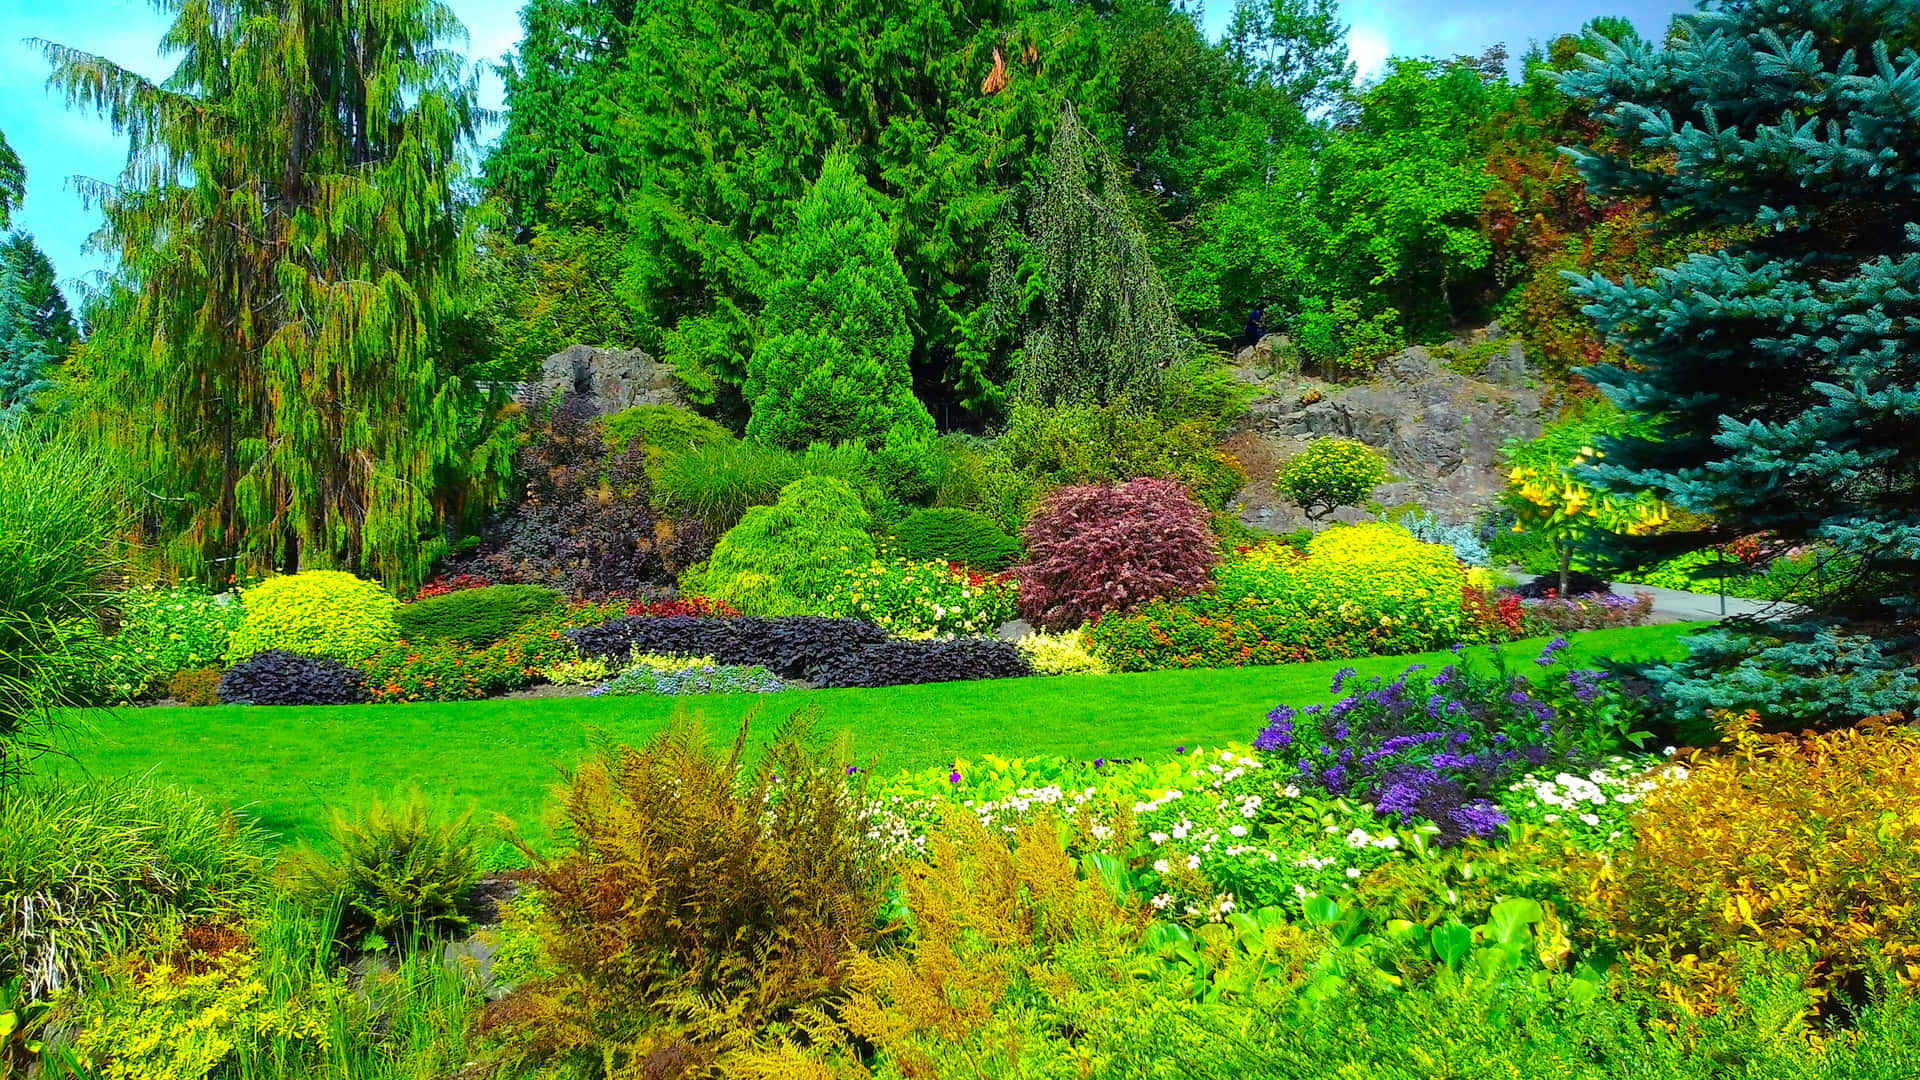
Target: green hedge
[[961, 536], [476, 617]]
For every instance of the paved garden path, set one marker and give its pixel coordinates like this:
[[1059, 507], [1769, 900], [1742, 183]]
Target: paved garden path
[[1672, 605]]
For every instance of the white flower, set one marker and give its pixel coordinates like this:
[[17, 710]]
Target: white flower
[[1160, 866], [1358, 838], [1157, 837], [1353, 871], [1290, 791], [1551, 818], [1237, 831], [1590, 820], [1160, 902]]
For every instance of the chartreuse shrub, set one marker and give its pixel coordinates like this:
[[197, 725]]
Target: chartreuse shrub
[[315, 613], [477, 617], [1098, 548], [1357, 590], [782, 558], [396, 872], [85, 866], [700, 904], [1064, 653], [665, 430], [953, 535], [1805, 846], [1329, 474]]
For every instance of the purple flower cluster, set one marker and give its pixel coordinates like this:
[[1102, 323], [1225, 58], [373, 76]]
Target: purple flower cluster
[[1438, 749]]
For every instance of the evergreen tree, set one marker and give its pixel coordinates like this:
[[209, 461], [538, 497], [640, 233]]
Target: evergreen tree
[[1780, 373], [833, 365], [13, 181], [36, 328], [1103, 324], [47, 311], [287, 235]]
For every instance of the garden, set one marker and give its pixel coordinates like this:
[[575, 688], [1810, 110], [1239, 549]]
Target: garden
[[959, 654]]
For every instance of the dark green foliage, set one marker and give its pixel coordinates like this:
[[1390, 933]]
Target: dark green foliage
[[693, 129], [476, 617], [1781, 373], [13, 182], [278, 677], [832, 364], [36, 329], [700, 900], [961, 536], [394, 871]]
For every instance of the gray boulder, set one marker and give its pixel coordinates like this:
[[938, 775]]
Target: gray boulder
[[617, 378]]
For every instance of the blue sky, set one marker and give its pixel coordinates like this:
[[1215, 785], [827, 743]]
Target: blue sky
[[56, 144]]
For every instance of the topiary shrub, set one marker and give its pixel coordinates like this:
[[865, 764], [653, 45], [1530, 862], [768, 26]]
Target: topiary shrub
[[477, 617], [781, 558], [1330, 474], [1098, 549], [316, 613], [902, 663], [279, 677], [966, 537]]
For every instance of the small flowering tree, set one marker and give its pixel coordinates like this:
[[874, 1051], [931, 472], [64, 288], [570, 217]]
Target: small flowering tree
[[1330, 474], [1551, 497]]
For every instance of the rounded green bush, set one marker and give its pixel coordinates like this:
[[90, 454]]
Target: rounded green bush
[[477, 617], [315, 613], [784, 559], [1331, 473], [966, 537]]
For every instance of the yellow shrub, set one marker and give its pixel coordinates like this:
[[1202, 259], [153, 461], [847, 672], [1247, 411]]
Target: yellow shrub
[[1784, 843], [316, 613], [1060, 654]]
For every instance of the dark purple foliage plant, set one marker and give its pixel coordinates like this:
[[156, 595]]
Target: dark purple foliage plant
[[1099, 548]]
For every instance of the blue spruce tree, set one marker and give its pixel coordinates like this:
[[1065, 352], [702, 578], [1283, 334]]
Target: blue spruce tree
[[1781, 371]]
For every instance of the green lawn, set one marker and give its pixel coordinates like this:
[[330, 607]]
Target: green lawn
[[286, 765]]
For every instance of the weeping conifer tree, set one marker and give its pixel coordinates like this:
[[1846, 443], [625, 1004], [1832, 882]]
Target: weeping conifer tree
[[1099, 322], [287, 234]]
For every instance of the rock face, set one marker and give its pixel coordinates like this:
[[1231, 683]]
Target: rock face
[[617, 378], [1440, 432]]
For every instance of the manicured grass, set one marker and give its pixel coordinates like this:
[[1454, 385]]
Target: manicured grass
[[287, 766]]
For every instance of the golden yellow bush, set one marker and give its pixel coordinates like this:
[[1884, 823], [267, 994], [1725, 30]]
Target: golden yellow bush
[[1786, 843]]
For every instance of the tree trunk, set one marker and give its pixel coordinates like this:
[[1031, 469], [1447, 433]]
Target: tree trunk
[[1566, 567]]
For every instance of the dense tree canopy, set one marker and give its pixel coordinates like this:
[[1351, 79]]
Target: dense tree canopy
[[13, 182], [36, 329], [286, 231]]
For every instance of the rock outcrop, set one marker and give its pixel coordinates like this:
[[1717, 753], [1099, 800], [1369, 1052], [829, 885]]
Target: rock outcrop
[[1440, 432], [617, 378]]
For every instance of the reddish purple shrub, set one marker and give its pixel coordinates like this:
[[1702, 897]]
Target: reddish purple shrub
[[1111, 548]]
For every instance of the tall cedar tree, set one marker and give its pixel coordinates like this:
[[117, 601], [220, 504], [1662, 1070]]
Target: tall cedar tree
[[1782, 372], [833, 365], [35, 326], [287, 232]]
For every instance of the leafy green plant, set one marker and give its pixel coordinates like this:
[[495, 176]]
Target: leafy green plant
[[200, 686], [476, 617], [1117, 441], [782, 559], [162, 631], [315, 613], [665, 430], [1061, 654], [57, 513], [1344, 344], [85, 866], [920, 598], [396, 870], [1329, 474]]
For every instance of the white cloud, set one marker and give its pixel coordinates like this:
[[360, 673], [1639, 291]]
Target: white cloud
[[1368, 49]]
